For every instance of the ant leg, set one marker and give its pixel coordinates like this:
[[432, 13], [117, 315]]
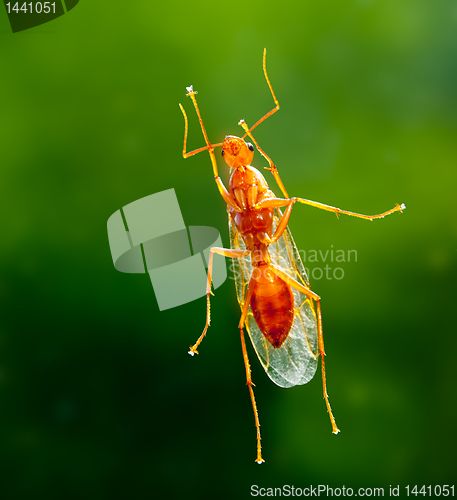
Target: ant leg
[[335, 429], [281, 227], [226, 253], [191, 93], [276, 108], [293, 283], [259, 458], [247, 300], [277, 202], [186, 129], [248, 131], [209, 147]]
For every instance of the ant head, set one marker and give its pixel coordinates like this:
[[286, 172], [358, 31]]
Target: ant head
[[236, 152]]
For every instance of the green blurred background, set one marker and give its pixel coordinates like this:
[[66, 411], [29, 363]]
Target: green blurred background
[[98, 397]]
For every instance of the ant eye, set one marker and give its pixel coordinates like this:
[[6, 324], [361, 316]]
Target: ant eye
[[250, 146], [222, 152]]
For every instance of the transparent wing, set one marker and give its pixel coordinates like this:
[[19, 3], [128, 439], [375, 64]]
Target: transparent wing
[[295, 362]]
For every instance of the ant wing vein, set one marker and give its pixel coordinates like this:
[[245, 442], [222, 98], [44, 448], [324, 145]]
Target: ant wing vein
[[295, 362]]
